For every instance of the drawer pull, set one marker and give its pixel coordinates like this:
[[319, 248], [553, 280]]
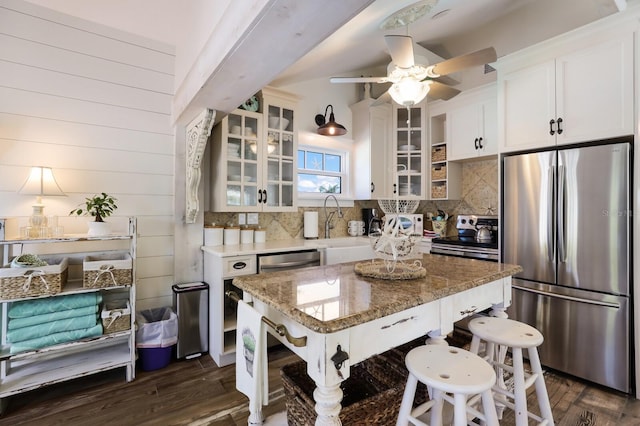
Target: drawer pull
[[239, 265], [469, 311]]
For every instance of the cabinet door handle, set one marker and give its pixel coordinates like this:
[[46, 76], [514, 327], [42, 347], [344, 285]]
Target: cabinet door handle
[[264, 192], [373, 187], [480, 143], [551, 131], [259, 196], [394, 188], [560, 126], [475, 142]]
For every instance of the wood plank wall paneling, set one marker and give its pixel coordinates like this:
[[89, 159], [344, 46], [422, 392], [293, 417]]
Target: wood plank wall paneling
[[93, 103]]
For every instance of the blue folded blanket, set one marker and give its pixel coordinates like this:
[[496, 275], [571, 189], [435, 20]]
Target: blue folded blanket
[[15, 323], [52, 327], [56, 338], [29, 308]]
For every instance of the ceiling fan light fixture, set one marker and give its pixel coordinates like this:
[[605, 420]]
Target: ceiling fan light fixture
[[329, 128], [408, 91]]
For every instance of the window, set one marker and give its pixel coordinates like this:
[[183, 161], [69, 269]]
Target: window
[[321, 171]]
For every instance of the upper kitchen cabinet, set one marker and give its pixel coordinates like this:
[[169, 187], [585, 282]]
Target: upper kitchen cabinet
[[472, 118], [253, 168], [583, 92], [409, 151], [372, 134]]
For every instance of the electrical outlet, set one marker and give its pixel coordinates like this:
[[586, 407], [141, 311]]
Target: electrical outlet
[[242, 218], [252, 218]]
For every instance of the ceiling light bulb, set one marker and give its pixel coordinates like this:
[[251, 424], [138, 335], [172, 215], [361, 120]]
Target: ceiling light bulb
[[409, 91]]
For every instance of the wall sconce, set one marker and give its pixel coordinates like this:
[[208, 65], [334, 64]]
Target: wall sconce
[[40, 183], [330, 128]]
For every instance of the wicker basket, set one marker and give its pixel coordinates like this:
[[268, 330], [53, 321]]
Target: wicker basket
[[438, 191], [107, 270], [439, 172], [438, 153], [16, 283], [371, 395], [116, 316]]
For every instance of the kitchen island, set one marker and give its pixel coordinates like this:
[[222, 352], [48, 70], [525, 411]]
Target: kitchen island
[[336, 318]]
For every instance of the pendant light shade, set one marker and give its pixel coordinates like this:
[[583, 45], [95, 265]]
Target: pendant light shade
[[329, 128]]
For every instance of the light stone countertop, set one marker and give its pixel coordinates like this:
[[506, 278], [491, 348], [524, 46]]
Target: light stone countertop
[[331, 298], [284, 245]]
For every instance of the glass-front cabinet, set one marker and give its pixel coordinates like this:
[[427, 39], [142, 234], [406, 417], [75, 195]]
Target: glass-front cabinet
[[409, 148], [253, 158]]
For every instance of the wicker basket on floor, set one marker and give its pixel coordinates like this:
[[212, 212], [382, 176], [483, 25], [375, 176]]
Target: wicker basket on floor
[[16, 283], [371, 394], [110, 270]]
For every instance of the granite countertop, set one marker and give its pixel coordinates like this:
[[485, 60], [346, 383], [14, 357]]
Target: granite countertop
[[327, 299]]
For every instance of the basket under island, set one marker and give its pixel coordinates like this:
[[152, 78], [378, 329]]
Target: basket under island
[[331, 312]]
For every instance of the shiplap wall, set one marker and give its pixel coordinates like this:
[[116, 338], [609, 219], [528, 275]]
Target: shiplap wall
[[94, 104]]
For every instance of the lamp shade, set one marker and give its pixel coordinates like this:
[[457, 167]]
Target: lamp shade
[[41, 182], [329, 128], [409, 91]]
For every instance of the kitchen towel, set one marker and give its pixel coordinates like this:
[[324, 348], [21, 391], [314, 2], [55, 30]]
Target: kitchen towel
[[252, 377], [311, 224]]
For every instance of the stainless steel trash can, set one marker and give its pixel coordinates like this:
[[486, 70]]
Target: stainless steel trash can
[[191, 303]]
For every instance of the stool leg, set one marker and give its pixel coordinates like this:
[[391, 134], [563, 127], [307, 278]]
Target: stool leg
[[541, 387], [436, 410], [489, 409], [407, 401], [519, 391], [475, 345], [459, 409], [498, 355]]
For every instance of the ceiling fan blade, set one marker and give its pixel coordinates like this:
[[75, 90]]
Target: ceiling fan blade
[[458, 63], [401, 50], [441, 91], [358, 79], [383, 99]]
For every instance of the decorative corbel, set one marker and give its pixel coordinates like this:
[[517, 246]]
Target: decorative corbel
[[198, 132]]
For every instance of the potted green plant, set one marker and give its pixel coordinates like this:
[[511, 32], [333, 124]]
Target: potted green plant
[[100, 206]]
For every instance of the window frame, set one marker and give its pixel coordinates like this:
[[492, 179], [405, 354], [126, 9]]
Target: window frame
[[345, 174]]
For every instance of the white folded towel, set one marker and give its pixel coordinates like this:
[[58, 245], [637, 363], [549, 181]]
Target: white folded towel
[[252, 378]]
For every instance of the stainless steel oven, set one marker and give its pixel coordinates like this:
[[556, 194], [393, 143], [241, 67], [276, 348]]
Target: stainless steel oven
[[476, 238]]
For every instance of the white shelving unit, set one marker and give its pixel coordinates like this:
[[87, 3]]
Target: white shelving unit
[[29, 370]]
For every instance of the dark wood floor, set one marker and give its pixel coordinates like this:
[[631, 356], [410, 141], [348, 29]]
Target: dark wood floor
[[197, 392]]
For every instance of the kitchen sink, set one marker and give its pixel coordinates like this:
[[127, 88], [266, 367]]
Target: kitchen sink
[[348, 249]]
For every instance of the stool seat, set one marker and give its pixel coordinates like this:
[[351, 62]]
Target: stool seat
[[507, 332], [453, 375], [450, 369]]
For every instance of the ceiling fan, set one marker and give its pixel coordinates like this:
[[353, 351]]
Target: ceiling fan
[[412, 81]]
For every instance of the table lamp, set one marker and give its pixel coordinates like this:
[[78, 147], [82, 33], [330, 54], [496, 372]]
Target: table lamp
[[40, 183]]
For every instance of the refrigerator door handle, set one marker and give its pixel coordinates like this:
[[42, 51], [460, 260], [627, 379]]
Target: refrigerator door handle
[[570, 298], [550, 224], [562, 243]]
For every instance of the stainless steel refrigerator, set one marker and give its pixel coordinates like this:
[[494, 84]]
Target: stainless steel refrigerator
[[566, 219]]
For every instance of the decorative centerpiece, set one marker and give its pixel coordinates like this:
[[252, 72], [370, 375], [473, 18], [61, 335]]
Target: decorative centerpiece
[[393, 245], [100, 207]]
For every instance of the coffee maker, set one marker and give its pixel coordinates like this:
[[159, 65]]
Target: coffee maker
[[372, 221]]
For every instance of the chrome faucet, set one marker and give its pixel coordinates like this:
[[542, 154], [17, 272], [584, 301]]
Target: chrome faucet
[[327, 223]]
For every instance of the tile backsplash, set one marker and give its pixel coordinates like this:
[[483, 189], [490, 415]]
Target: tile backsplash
[[479, 196]]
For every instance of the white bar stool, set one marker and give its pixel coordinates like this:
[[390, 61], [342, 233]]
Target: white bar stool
[[500, 334], [448, 370]]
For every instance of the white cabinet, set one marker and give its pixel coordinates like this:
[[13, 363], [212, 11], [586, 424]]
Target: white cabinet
[[371, 150], [473, 124], [31, 369], [218, 273], [581, 95], [253, 157], [409, 151]]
